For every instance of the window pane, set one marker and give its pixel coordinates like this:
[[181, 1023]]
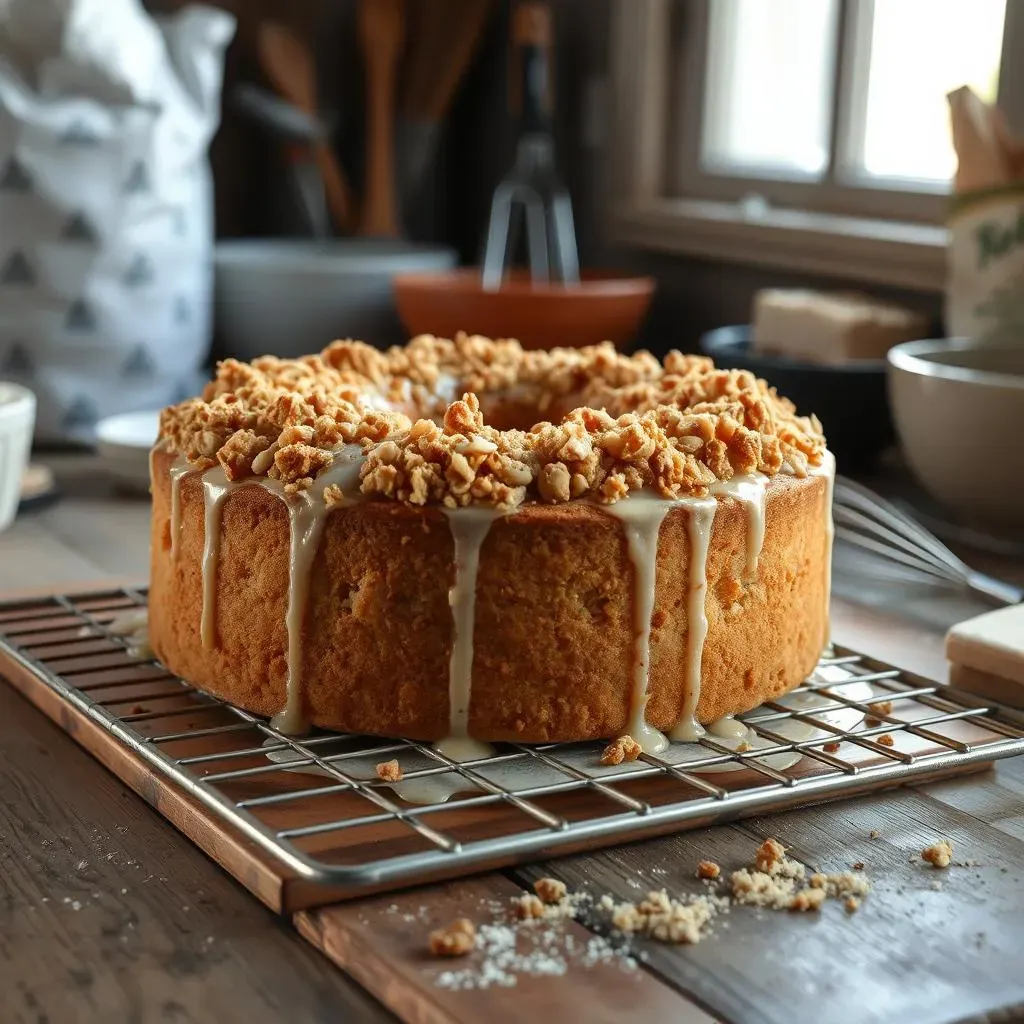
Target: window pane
[[920, 50], [769, 86]]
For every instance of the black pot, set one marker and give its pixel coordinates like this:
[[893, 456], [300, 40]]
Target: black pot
[[849, 398]]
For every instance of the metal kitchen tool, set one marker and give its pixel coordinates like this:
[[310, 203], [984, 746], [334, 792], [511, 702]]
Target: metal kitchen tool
[[288, 63], [532, 192], [907, 552], [302, 131]]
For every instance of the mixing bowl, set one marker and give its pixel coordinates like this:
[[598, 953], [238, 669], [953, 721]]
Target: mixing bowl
[[958, 410], [602, 307], [291, 296]]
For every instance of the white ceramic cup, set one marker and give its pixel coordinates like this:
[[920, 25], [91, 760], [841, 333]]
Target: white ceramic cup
[[17, 417]]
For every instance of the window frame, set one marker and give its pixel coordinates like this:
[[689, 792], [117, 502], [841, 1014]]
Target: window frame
[[666, 200]]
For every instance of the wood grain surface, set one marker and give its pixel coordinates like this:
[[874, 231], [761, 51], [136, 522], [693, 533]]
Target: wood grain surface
[[108, 914]]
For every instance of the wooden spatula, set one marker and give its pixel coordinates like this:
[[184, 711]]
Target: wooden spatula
[[288, 63], [381, 35]]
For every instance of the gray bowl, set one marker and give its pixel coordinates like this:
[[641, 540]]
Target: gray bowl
[[958, 410], [289, 297]]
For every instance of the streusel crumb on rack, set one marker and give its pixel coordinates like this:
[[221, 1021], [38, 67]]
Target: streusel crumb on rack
[[675, 428], [625, 748]]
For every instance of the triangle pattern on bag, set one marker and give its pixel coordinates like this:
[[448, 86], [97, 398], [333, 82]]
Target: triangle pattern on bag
[[79, 229], [80, 317], [78, 133], [139, 364], [140, 272], [182, 310], [17, 270], [179, 222], [17, 361], [81, 416], [137, 180], [14, 177]]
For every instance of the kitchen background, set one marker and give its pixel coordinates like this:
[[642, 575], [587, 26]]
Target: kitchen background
[[478, 147], [715, 150]]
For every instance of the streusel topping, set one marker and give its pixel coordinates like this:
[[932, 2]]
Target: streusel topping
[[675, 428]]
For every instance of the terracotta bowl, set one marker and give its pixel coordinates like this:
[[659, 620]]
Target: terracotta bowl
[[602, 307]]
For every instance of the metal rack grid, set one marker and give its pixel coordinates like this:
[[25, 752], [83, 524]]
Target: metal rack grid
[[316, 805]]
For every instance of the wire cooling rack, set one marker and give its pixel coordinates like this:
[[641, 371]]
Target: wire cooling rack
[[316, 806]]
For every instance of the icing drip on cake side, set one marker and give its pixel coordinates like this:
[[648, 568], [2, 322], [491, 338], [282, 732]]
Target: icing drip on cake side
[[641, 515], [216, 487], [750, 490], [827, 469], [469, 526], [307, 516], [178, 471], [702, 517]]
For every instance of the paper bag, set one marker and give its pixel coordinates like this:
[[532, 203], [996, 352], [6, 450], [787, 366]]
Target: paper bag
[[106, 228], [985, 282]]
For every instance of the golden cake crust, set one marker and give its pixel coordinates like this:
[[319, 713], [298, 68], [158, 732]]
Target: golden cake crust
[[553, 636]]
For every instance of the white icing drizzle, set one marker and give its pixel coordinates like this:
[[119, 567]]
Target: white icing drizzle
[[750, 489], [306, 519], [216, 487], [178, 471], [728, 728], [470, 526], [642, 514], [702, 517], [827, 469]]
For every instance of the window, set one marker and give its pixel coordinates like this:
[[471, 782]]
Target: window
[[811, 118]]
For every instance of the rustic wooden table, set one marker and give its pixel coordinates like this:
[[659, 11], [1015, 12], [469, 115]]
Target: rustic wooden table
[[107, 913]]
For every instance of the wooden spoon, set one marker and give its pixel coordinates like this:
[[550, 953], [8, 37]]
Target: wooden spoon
[[288, 63], [381, 33]]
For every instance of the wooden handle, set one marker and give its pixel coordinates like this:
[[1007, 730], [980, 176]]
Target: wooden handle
[[382, 30], [379, 208], [288, 63]]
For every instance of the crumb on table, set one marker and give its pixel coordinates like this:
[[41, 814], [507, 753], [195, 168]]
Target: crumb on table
[[938, 854], [831, 747], [885, 740], [708, 869], [457, 939], [549, 890]]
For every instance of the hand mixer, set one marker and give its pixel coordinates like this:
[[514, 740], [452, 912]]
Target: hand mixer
[[532, 192]]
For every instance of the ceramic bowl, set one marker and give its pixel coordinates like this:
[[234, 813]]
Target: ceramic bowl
[[17, 418], [289, 296], [848, 398], [602, 307], [958, 410]]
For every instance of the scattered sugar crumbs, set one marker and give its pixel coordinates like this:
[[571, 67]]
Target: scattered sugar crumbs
[[529, 938], [531, 941]]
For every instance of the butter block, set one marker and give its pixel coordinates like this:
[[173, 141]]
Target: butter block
[[987, 654], [830, 327]]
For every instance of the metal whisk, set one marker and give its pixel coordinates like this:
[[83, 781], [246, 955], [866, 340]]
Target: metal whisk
[[908, 552], [532, 192]]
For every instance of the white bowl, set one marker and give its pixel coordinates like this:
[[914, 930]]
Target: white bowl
[[17, 417], [959, 410], [288, 297], [124, 443]]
